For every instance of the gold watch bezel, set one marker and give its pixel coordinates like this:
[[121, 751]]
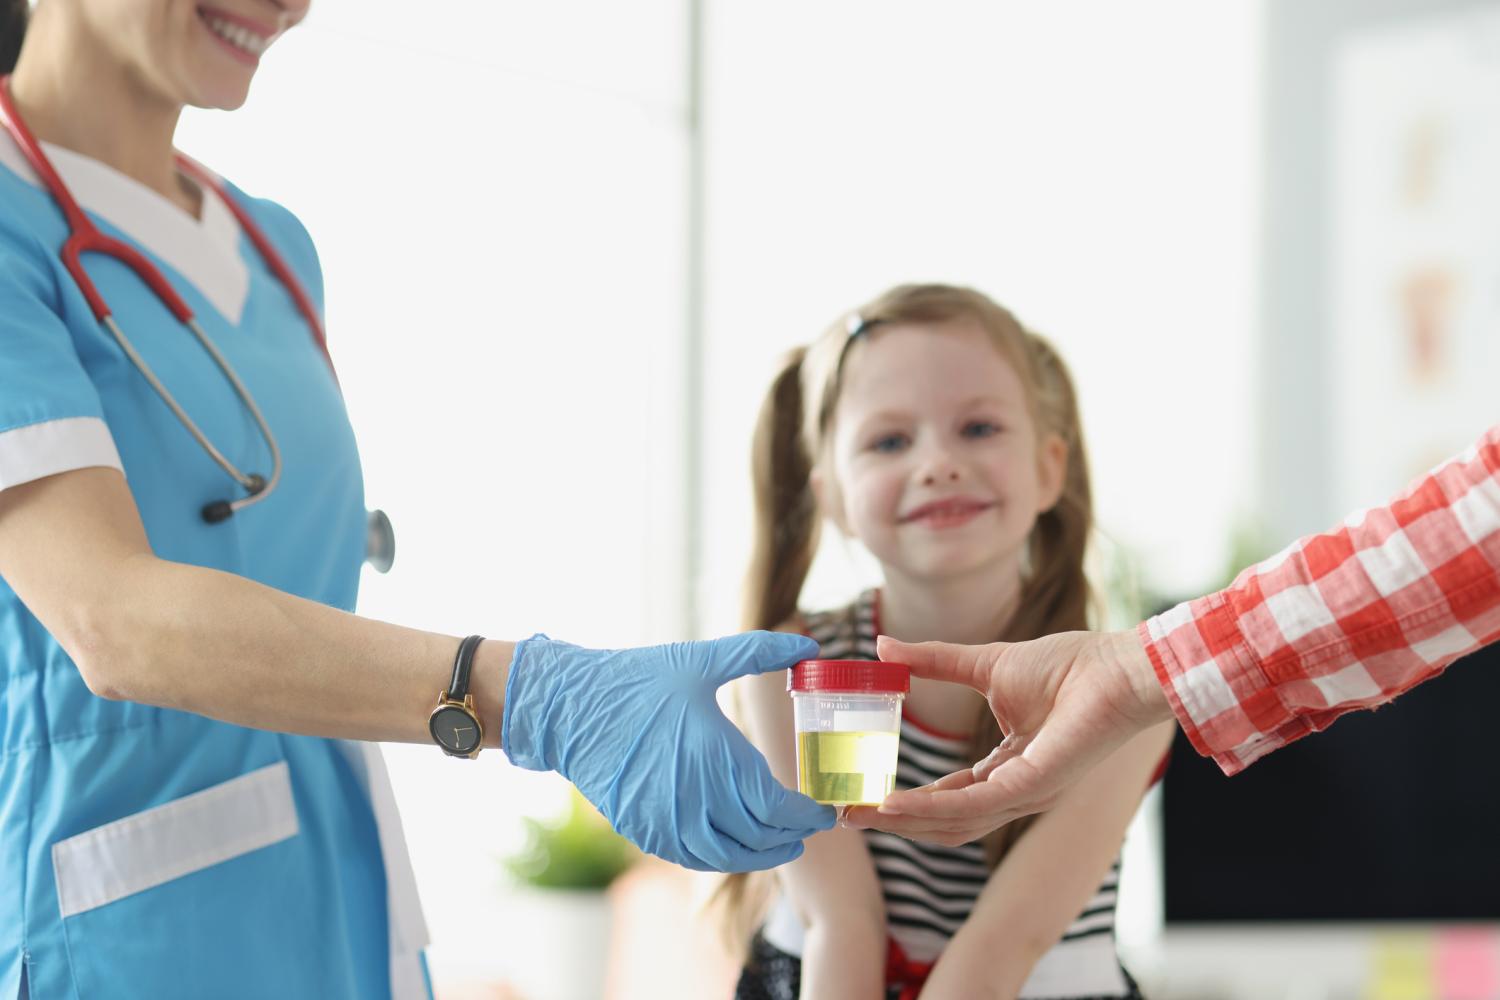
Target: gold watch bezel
[[467, 707]]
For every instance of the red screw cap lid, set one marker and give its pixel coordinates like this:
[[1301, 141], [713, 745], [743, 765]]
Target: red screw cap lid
[[857, 676]]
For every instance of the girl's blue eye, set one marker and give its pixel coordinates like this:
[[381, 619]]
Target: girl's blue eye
[[889, 443], [981, 429]]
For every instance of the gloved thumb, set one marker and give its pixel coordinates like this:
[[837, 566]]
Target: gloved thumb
[[756, 653]]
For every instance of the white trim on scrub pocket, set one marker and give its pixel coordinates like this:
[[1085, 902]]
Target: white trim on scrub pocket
[[175, 839]]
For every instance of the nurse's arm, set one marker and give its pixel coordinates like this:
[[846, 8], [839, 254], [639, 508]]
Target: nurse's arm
[[144, 629]]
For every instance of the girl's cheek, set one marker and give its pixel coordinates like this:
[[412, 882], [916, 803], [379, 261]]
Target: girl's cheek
[[870, 501]]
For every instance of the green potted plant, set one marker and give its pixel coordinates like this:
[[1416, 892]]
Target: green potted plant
[[577, 851], [562, 871]]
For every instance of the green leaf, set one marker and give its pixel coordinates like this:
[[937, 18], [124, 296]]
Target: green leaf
[[579, 851]]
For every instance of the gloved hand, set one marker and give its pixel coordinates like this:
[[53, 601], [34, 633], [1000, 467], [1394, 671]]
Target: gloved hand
[[640, 734]]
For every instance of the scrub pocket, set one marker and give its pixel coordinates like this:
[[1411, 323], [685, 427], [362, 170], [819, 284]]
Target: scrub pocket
[[189, 898]]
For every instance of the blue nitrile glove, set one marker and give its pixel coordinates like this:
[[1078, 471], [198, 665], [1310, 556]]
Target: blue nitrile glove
[[640, 734]]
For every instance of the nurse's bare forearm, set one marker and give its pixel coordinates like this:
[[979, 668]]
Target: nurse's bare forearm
[[219, 645], [163, 633]]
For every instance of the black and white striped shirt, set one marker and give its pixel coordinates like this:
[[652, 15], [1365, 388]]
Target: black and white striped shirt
[[929, 889]]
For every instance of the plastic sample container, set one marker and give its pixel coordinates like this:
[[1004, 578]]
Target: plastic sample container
[[848, 722]]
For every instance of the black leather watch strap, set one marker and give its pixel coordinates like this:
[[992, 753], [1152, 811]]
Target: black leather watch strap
[[462, 663]]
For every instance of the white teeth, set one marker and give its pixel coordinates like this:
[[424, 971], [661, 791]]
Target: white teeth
[[240, 37]]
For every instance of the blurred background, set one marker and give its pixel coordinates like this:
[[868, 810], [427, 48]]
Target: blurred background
[[564, 244]]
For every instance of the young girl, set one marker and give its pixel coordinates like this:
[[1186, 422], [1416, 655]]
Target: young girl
[[943, 436]]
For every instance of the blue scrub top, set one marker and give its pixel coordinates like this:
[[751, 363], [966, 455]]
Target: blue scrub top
[[153, 853]]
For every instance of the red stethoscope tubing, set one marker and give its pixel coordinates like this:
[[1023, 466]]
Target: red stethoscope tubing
[[85, 237]]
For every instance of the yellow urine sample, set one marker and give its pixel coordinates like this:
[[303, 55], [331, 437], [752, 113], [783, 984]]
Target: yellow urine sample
[[847, 768]]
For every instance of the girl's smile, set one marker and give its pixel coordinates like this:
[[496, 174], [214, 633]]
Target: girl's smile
[[949, 512]]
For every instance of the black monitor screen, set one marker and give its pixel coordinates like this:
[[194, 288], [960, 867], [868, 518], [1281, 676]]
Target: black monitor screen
[[1392, 814]]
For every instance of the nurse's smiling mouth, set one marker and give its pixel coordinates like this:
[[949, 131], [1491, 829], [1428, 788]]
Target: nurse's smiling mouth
[[240, 36], [950, 512]]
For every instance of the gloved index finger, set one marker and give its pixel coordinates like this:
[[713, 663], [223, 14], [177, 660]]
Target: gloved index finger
[[757, 653]]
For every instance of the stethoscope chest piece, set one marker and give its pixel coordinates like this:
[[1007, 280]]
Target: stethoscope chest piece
[[380, 542]]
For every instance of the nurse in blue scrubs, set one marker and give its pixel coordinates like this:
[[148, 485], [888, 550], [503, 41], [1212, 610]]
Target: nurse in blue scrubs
[[191, 804]]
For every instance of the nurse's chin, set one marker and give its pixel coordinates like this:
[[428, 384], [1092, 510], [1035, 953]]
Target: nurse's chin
[[221, 95]]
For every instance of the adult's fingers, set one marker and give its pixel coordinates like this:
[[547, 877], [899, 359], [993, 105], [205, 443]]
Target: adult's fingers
[[940, 661], [782, 809], [759, 811], [1012, 787], [724, 853], [958, 779], [918, 828], [703, 844], [957, 803], [1012, 746]]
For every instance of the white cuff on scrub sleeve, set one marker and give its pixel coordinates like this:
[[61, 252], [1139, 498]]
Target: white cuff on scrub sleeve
[[54, 446]]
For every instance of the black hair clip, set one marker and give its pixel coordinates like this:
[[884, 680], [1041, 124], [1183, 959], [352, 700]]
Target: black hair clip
[[857, 324]]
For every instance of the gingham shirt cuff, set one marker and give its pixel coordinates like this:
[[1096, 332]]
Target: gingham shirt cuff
[[1340, 621], [1223, 700]]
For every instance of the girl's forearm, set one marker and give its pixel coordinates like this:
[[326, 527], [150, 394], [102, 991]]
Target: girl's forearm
[[987, 964], [219, 645], [1049, 875], [843, 958]]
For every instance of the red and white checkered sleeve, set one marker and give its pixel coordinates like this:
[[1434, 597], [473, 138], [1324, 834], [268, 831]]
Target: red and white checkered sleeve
[[1339, 621]]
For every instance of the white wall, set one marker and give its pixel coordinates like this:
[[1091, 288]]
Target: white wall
[[1092, 165]]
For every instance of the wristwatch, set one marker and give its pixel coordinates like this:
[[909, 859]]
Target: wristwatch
[[455, 722]]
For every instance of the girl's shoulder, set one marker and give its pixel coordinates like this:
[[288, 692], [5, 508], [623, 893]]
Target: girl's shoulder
[[846, 632]]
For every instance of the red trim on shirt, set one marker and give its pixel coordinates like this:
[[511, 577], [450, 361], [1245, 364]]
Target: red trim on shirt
[[1161, 770], [902, 972], [917, 723]]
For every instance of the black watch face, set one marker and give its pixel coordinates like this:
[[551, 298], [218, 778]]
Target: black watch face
[[455, 730]]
